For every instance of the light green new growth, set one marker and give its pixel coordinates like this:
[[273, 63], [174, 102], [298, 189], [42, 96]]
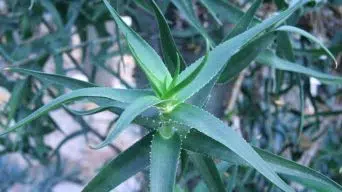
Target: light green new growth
[[181, 122]]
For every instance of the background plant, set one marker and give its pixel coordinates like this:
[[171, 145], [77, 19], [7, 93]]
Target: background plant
[[186, 84]]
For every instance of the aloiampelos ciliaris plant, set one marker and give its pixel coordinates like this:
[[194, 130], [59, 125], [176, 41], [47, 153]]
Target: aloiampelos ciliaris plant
[[177, 96]]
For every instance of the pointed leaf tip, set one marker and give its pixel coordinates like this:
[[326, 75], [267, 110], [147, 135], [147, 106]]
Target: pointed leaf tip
[[146, 54], [122, 167], [169, 49], [292, 29], [211, 126], [133, 110]]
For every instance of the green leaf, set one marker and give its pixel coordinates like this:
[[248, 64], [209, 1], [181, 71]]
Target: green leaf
[[219, 131], [202, 96], [232, 179], [245, 21], [286, 168], [164, 158], [270, 59], [187, 80], [284, 46], [145, 53], [104, 107], [205, 165], [73, 84], [209, 172], [221, 54], [302, 107], [284, 50], [54, 79], [212, 12], [127, 164], [53, 11], [243, 58], [186, 8], [19, 91], [164, 5], [201, 187], [102, 102], [138, 106], [171, 54], [144, 4], [335, 49], [121, 95], [156, 84], [225, 11], [309, 36]]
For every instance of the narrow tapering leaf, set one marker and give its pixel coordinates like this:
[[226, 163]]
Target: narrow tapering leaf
[[270, 59], [216, 129], [19, 92], [54, 78], [170, 52], [201, 143], [121, 95], [233, 178], [146, 54], [156, 84], [185, 7], [244, 57], [187, 80], [48, 5], [225, 11], [212, 12], [104, 107], [144, 4], [127, 164], [208, 171], [245, 21], [309, 36], [165, 153], [133, 110], [284, 50], [302, 107], [221, 54]]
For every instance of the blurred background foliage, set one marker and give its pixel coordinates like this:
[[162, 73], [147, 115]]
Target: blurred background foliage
[[78, 38]]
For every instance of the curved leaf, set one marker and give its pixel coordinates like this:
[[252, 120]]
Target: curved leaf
[[270, 59], [107, 106], [243, 58], [216, 129], [121, 95], [133, 110], [245, 21], [19, 92], [145, 53], [225, 11], [48, 5], [71, 83], [170, 52], [212, 12], [209, 172], [164, 158], [309, 36], [127, 164], [181, 85], [186, 8], [54, 78], [221, 54], [201, 143]]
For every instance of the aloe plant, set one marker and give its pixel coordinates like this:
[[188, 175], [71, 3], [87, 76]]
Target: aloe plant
[[178, 95]]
